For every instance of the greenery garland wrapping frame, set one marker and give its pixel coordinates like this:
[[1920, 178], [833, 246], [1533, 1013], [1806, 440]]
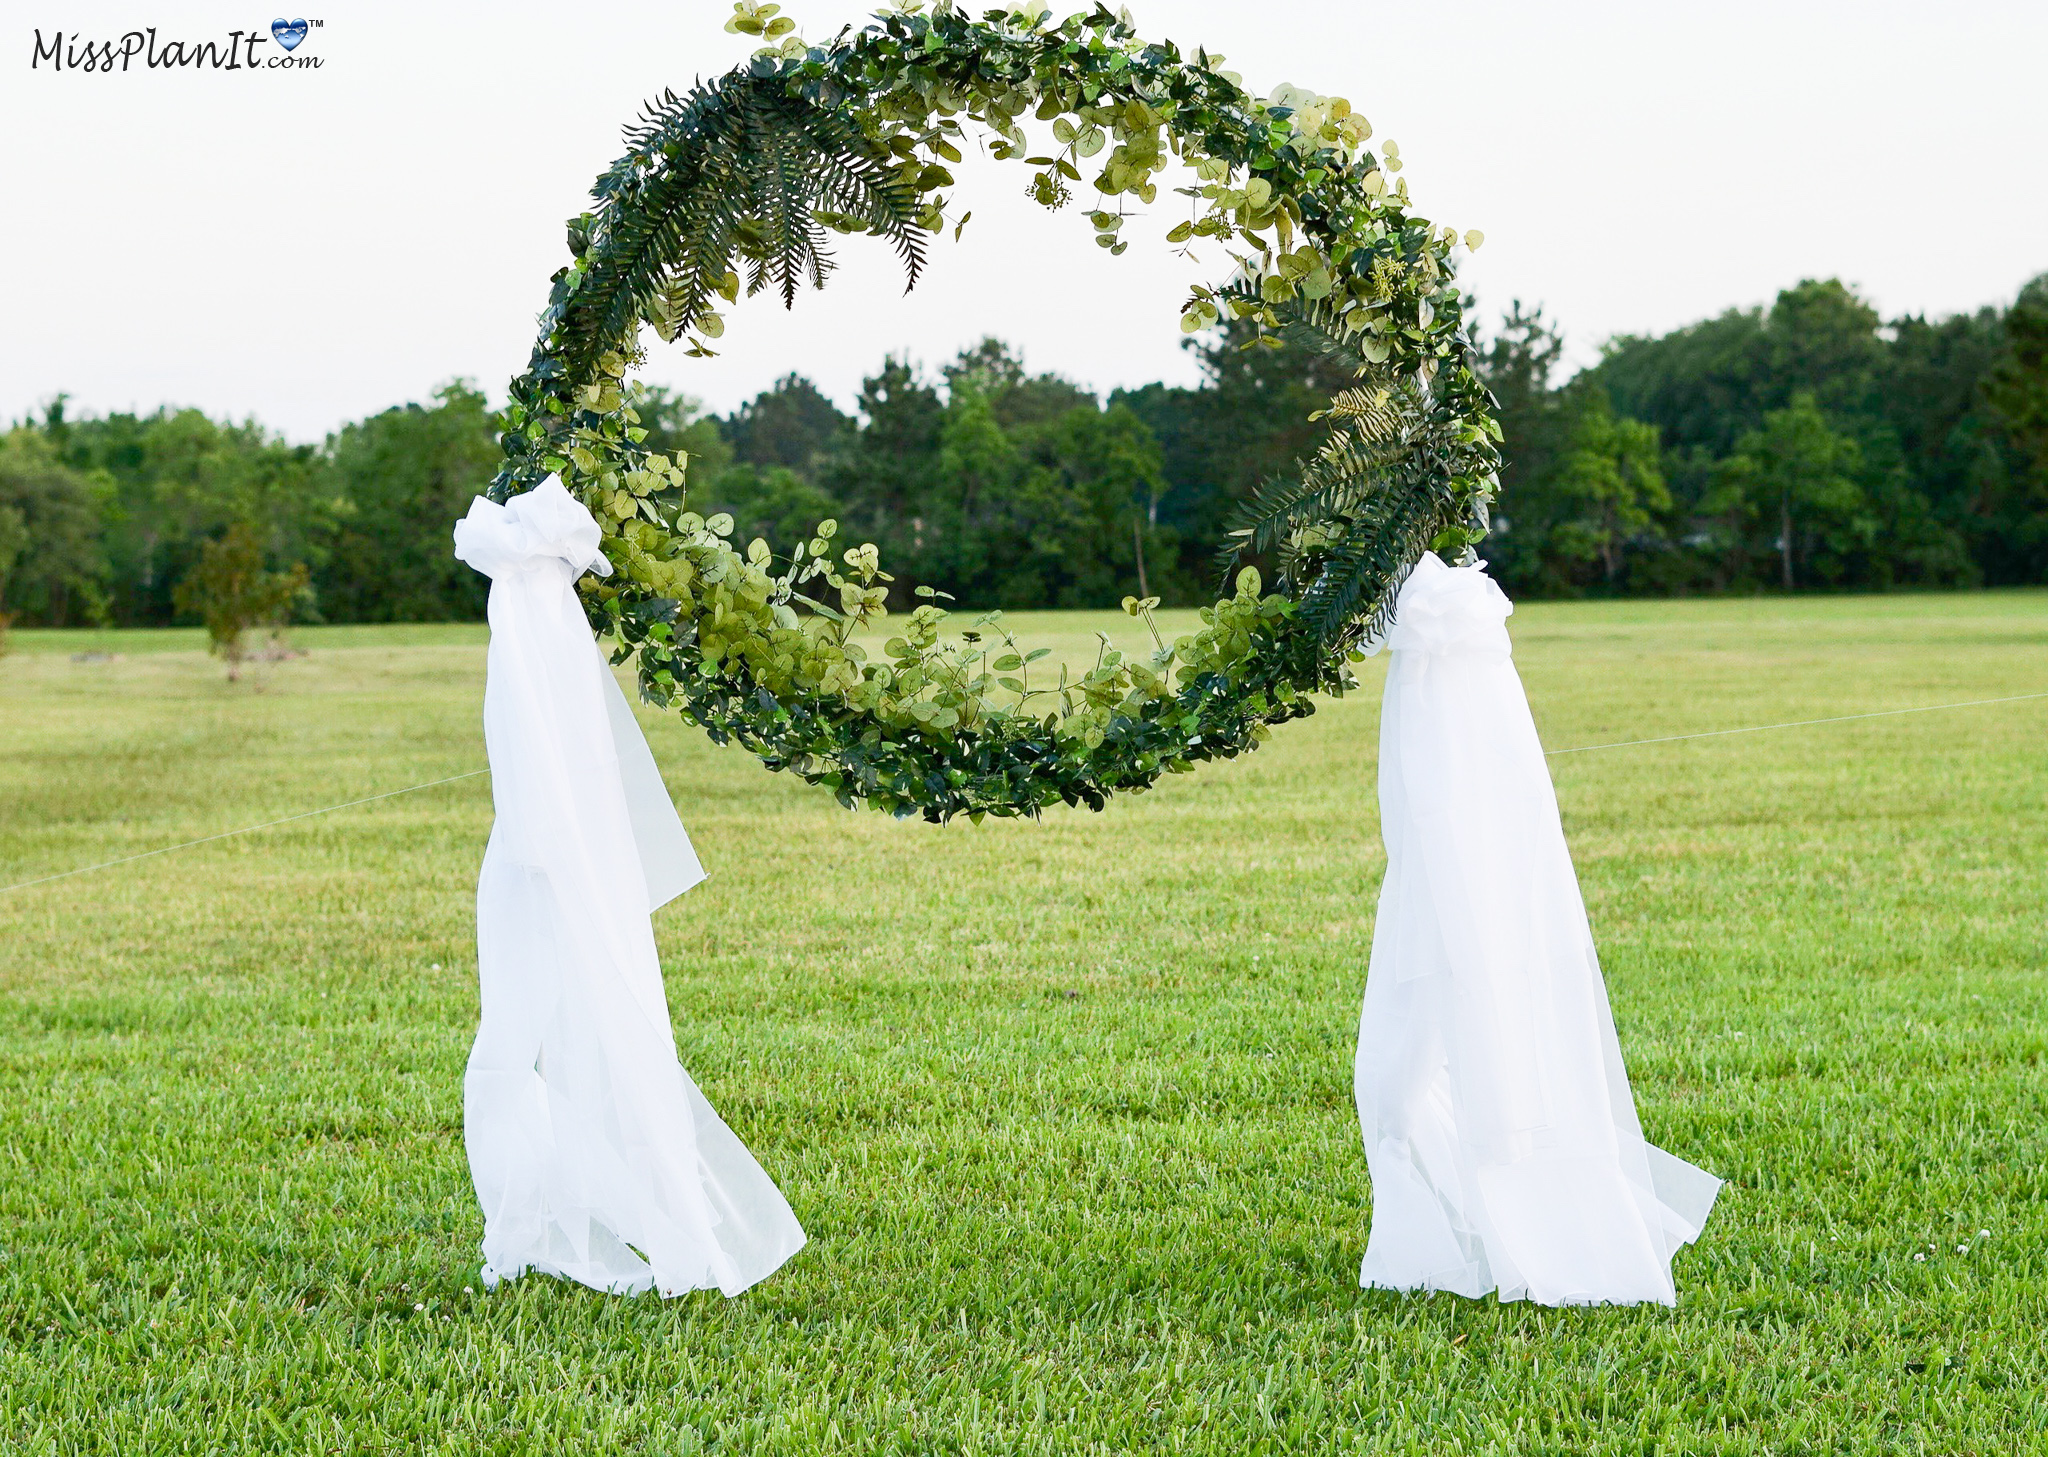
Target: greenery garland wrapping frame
[[753, 170]]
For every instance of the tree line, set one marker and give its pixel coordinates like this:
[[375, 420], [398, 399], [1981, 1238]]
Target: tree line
[[1810, 445]]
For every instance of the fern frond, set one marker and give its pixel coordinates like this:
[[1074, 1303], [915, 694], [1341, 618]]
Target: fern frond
[[1373, 410], [1380, 424], [1363, 508], [737, 168], [1360, 572], [1330, 482]]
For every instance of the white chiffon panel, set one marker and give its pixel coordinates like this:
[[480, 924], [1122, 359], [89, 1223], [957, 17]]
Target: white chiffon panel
[[1501, 1133], [594, 1155]]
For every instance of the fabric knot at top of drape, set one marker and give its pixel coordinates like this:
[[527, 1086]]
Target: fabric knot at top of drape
[[1444, 609], [546, 524]]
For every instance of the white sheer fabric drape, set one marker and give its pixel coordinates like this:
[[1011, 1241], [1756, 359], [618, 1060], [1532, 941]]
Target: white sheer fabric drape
[[1499, 1126], [595, 1156]]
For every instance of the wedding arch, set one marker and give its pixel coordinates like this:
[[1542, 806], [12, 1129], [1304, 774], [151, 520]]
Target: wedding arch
[[738, 185], [1499, 1126]]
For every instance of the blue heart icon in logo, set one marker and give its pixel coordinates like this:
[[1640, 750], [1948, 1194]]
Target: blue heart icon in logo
[[288, 32]]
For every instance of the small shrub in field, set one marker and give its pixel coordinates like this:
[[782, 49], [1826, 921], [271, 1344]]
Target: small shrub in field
[[232, 593]]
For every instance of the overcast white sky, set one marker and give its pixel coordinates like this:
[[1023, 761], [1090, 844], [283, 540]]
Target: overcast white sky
[[310, 246]]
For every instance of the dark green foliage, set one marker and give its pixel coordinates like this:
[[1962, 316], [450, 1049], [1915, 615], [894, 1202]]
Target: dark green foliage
[[2014, 502], [369, 513], [1821, 339], [1950, 480], [1538, 419], [1611, 481], [403, 474], [1703, 386], [737, 171], [2018, 387], [890, 467], [175, 479], [1050, 513], [1009, 490], [1018, 399], [53, 566], [1810, 445], [1792, 489], [791, 425], [1249, 423]]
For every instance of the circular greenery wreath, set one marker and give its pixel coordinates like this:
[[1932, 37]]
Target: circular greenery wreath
[[750, 172]]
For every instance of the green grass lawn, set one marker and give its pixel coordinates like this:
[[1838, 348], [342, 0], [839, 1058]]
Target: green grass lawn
[[1065, 1107]]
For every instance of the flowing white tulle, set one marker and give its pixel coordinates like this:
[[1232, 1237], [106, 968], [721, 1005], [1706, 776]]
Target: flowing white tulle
[[1499, 1126], [595, 1156]]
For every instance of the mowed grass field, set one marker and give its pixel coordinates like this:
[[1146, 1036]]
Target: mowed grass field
[[1065, 1106]]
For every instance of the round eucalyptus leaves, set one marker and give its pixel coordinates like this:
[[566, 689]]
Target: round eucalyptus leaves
[[740, 185]]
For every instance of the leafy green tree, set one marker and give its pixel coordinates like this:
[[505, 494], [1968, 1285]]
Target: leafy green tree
[[977, 463], [1246, 425], [1951, 447], [2018, 386], [2016, 390], [1793, 485], [1934, 468], [1125, 475], [889, 470], [1706, 458], [1611, 480], [178, 479], [1821, 339], [1009, 489], [1176, 419], [53, 566], [404, 477], [792, 425], [13, 543], [1076, 528], [1019, 400], [1703, 386], [1258, 406], [229, 590], [1519, 364]]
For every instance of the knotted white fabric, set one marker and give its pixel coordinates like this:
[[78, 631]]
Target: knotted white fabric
[[595, 1156], [1499, 1126]]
